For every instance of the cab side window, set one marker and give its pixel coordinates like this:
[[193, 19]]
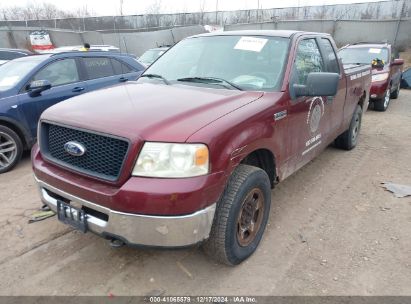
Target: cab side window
[[98, 67], [120, 68], [333, 66], [308, 59], [59, 72]]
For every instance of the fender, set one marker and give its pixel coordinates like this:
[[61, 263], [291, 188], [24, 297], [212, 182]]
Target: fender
[[27, 139], [246, 140], [242, 137], [239, 154], [266, 160]]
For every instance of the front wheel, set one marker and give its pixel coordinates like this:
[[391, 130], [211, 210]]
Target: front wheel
[[241, 216], [11, 149], [382, 104]]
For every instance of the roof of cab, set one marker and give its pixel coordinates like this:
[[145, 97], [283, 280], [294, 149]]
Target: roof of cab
[[73, 54], [90, 53], [272, 33], [367, 45]]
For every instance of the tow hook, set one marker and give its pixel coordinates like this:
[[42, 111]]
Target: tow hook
[[116, 243]]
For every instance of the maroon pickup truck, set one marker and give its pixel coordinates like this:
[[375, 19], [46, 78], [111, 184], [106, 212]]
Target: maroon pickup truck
[[386, 71], [189, 153]]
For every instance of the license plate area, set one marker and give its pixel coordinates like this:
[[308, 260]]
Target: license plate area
[[72, 216]]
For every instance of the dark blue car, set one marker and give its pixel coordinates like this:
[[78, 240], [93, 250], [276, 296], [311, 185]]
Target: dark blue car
[[29, 85], [406, 79]]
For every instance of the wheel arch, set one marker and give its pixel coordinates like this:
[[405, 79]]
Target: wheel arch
[[264, 159], [26, 139]]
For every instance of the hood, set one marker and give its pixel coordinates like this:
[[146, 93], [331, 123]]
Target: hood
[[152, 112]]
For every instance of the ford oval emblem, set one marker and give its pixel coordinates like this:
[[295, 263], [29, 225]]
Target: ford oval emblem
[[74, 148]]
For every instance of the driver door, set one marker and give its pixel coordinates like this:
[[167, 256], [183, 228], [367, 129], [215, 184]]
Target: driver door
[[64, 76]]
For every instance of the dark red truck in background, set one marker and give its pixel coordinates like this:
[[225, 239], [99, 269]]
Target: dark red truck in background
[[386, 70], [189, 153]]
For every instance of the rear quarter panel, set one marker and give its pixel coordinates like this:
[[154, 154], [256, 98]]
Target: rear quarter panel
[[358, 90]]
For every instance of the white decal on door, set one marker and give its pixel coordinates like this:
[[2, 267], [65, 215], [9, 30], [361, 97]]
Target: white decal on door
[[315, 113]]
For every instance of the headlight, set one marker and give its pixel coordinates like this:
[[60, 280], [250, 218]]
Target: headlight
[[379, 77], [172, 160]]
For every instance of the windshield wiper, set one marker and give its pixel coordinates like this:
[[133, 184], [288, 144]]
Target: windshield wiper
[[156, 76], [209, 80]]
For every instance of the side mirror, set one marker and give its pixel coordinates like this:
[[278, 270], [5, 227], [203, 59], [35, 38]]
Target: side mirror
[[318, 84], [398, 62], [37, 86]]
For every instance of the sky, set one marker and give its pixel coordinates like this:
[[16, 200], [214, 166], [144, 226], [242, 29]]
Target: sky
[[132, 7]]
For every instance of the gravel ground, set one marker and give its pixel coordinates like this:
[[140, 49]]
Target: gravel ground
[[333, 230]]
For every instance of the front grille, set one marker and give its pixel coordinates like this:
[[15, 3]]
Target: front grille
[[104, 156]]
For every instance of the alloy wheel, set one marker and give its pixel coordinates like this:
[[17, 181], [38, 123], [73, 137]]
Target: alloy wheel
[[8, 150], [387, 98]]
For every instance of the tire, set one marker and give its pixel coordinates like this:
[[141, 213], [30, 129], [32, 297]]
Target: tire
[[248, 187], [11, 149], [382, 104], [394, 95], [348, 140]]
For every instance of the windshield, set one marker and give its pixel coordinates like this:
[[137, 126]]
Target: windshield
[[250, 63], [13, 71], [150, 56], [363, 55]]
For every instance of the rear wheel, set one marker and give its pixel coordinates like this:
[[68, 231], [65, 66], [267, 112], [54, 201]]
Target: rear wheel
[[382, 104], [394, 95], [348, 140], [11, 149], [241, 216]]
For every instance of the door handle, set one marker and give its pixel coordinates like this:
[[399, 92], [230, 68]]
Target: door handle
[[77, 89], [123, 79]]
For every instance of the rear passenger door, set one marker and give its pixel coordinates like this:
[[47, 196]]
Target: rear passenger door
[[335, 103], [103, 72], [127, 73]]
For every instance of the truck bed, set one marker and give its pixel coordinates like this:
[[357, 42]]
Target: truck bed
[[355, 69]]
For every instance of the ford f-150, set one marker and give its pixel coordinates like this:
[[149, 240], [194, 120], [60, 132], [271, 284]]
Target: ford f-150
[[189, 153]]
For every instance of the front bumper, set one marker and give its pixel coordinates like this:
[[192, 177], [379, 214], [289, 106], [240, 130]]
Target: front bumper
[[137, 195], [136, 229]]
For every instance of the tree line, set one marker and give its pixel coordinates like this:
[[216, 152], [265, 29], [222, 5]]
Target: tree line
[[41, 11]]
